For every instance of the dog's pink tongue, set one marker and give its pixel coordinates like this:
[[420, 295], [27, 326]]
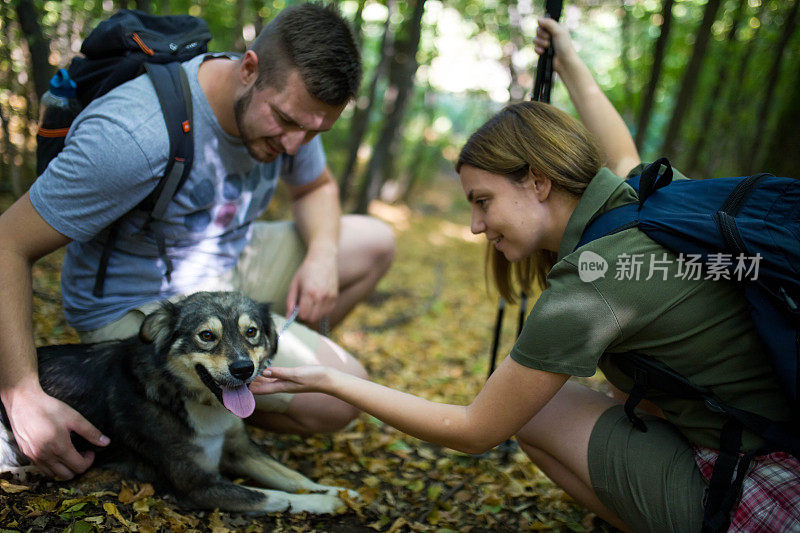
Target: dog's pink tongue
[[239, 401]]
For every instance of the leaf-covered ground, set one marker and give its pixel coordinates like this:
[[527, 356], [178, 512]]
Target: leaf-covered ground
[[426, 330]]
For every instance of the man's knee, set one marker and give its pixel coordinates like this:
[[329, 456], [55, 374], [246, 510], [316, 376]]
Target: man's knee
[[333, 417], [320, 413], [336, 413], [383, 244], [373, 239]]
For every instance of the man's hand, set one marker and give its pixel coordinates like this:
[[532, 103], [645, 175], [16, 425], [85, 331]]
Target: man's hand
[[314, 288], [42, 425]]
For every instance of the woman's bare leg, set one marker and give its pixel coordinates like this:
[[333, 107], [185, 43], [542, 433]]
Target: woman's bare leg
[[557, 441]]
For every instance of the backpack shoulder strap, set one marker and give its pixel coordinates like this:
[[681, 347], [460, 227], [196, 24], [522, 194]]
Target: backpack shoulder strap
[[610, 222], [172, 88], [730, 469], [654, 176], [650, 374]]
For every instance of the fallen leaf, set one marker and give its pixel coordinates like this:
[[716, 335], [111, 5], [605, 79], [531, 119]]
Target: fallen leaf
[[396, 525], [215, 523], [416, 485], [112, 510], [10, 488], [127, 496], [434, 491], [142, 506], [82, 526]]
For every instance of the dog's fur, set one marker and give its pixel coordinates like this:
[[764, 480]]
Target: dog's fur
[[159, 398]]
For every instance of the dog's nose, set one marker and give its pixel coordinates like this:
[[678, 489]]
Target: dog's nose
[[242, 368]]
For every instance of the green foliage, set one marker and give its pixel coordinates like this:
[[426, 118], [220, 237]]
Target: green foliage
[[426, 148]]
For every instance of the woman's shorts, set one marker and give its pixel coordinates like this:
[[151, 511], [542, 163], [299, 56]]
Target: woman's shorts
[[649, 479]]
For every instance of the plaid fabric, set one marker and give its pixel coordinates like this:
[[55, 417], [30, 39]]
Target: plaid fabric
[[770, 492]]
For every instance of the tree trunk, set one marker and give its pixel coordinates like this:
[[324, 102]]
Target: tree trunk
[[515, 90], [7, 157], [733, 106], [7, 150], [239, 43], [772, 83], [655, 73], [144, 5], [364, 105], [10, 159], [358, 22], [690, 77], [720, 77], [422, 153], [39, 48], [781, 156], [419, 161], [625, 61], [255, 8], [401, 84]]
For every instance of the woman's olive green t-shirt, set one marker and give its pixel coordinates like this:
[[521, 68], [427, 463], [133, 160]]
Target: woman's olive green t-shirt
[[698, 327]]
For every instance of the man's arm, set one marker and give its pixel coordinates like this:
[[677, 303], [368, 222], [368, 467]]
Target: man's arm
[[41, 424], [594, 108], [317, 215]]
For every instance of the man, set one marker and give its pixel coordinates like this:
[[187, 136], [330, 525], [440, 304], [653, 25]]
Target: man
[[250, 113]]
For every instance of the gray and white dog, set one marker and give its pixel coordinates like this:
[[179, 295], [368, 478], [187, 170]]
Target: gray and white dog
[[172, 402]]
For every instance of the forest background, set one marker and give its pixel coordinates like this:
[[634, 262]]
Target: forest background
[[713, 85]]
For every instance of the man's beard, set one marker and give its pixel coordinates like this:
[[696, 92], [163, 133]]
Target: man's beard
[[239, 108]]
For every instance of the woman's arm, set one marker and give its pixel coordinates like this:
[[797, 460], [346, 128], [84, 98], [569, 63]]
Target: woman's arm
[[596, 112], [510, 398]]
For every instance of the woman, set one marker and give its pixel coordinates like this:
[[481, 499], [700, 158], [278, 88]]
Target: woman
[[534, 179]]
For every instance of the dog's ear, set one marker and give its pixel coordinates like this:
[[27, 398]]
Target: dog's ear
[[265, 311], [158, 326]]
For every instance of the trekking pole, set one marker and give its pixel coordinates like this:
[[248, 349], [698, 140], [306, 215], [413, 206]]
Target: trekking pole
[[498, 326], [523, 307], [544, 68]]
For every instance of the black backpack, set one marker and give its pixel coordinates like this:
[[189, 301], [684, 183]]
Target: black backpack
[[119, 49]]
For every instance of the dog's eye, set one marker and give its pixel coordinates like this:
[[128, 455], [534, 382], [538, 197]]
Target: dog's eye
[[206, 336], [251, 332]]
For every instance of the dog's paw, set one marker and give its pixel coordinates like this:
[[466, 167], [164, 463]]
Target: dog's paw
[[330, 489], [279, 501], [353, 495], [20, 473], [314, 503]]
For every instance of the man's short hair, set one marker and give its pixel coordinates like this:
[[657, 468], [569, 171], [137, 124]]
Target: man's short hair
[[318, 42]]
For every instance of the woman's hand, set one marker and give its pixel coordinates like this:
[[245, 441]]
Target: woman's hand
[[551, 31], [595, 110], [297, 379]]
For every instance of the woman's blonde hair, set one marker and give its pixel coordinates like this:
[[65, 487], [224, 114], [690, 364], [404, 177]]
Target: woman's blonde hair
[[523, 138]]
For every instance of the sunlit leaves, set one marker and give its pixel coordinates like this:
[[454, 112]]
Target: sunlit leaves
[[437, 348]]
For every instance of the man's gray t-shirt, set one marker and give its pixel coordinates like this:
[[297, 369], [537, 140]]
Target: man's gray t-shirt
[[115, 153]]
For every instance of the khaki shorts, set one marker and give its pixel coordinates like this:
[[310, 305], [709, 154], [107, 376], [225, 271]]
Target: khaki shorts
[[264, 271], [650, 480]]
